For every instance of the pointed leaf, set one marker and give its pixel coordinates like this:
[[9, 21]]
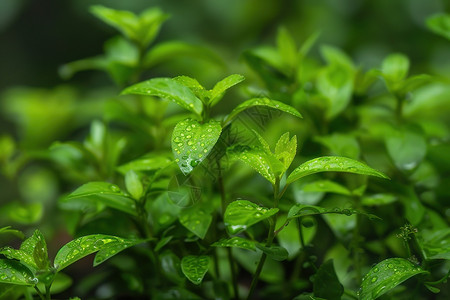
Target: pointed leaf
[[274, 251], [13, 272], [236, 241], [386, 275], [261, 102], [326, 282], [83, 246], [435, 244], [287, 48], [395, 67], [197, 220], [150, 162], [194, 86], [219, 89], [241, 214], [168, 89], [332, 164], [124, 21], [285, 150], [195, 267], [134, 184], [94, 194], [192, 142], [149, 24], [440, 24], [302, 210]]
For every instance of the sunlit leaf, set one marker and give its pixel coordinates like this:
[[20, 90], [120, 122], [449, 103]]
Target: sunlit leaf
[[94, 194], [150, 162], [386, 275], [286, 149], [235, 241], [193, 141], [241, 214], [219, 89], [195, 267], [332, 164], [395, 68], [168, 89]]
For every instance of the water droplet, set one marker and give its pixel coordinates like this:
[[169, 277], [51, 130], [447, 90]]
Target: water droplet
[[374, 278], [375, 270], [390, 266], [114, 188], [205, 150]]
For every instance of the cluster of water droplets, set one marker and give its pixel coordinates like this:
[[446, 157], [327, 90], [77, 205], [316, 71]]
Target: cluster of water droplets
[[242, 213], [195, 267], [15, 273], [235, 242], [196, 222]]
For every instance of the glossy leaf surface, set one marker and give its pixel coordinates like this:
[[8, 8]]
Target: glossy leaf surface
[[386, 275], [236, 241], [274, 251], [241, 214], [219, 89], [197, 220], [332, 164], [193, 141], [13, 272], [195, 267], [301, 210]]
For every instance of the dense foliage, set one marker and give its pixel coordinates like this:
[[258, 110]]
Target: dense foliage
[[309, 177]]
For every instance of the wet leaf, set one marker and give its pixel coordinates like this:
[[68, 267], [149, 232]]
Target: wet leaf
[[96, 195], [236, 242], [301, 210], [219, 89], [168, 89], [386, 275], [241, 214], [195, 267], [147, 163], [332, 164], [107, 245], [326, 282], [13, 272], [274, 251], [261, 102], [193, 141], [196, 219], [194, 86], [326, 186], [286, 149]]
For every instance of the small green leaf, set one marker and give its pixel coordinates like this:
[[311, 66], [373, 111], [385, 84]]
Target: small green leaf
[[285, 150], [94, 195], [168, 89], [124, 21], [261, 102], [386, 275], [274, 251], [395, 67], [134, 184], [192, 142], [196, 219], [195, 267], [77, 249], [326, 186], [149, 162], [332, 164], [326, 282], [236, 241], [194, 86], [287, 48], [241, 214], [13, 272], [219, 89], [440, 24]]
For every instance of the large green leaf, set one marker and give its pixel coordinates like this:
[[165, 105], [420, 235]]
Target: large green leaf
[[386, 275], [440, 24], [13, 272], [261, 102], [219, 89], [167, 88], [96, 195], [302, 210], [241, 214], [195, 267], [236, 241], [332, 164], [107, 245], [192, 141], [326, 282], [196, 219]]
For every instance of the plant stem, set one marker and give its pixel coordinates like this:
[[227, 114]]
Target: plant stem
[[356, 239], [276, 197], [39, 293]]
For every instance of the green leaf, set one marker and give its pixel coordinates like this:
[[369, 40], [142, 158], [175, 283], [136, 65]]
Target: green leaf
[[261, 102], [302, 210], [440, 24], [150, 21], [386, 275], [149, 162], [289, 237], [395, 67], [326, 282], [134, 184], [13, 272], [287, 48], [332, 164], [9, 230], [285, 150], [23, 213], [97, 195], [241, 214], [168, 89], [274, 251], [194, 86], [407, 148], [340, 144], [124, 21], [219, 89], [195, 267], [193, 141], [378, 199], [107, 245], [236, 241], [32, 252], [326, 186], [196, 219], [335, 56], [435, 244]]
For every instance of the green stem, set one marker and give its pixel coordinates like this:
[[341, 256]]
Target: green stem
[[270, 237], [39, 293], [47, 290], [356, 239]]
